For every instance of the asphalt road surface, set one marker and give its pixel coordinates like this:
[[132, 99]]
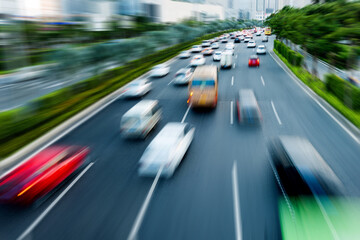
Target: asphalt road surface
[[223, 189]]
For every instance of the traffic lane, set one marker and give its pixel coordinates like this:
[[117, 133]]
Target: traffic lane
[[98, 133], [302, 116], [184, 215], [114, 178], [197, 203]]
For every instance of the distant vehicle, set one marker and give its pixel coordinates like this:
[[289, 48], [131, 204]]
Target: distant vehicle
[[237, 40], [203, 87], [197, 60], [230, 45], [206, 43], [185, 54], [226, 60], [207, 51], [137, 88], [230, 50], [261, 49], [41, 174], [258, 33], [160, 70], [196, 49], [140, 119], [166, 150], [301, 169], [254, 61], [247, 39], [224, 40], [265, 39], [251, 44], [215, 45], [247, 107], [267, 31], [217, 56], [183, 76], [241, 38]]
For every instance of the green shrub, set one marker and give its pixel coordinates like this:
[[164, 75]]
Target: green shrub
[[335, 85]]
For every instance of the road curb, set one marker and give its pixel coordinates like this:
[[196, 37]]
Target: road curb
[[350, 127]]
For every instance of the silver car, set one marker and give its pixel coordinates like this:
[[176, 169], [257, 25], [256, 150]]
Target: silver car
[[137, 88]]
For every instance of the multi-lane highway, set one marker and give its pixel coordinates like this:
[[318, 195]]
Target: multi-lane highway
[[223, 189]]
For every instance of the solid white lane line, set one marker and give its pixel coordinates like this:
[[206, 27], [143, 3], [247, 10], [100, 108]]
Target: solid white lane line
[[236, 202], [170, 82], [52, 205], [276, 114], [139, 218], [356, 139], [262, 80], [186, 113], [231, 112], [232, 81]]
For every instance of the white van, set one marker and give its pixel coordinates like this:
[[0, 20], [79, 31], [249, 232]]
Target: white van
[[140, 119], [226, 60]]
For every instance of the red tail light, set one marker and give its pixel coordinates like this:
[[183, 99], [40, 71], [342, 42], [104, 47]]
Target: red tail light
[[249, 61], [258, 61]]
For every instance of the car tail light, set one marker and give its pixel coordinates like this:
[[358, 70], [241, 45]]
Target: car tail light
[[249, 61], [258, 61]]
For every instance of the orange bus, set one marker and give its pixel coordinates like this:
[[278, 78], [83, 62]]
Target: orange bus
[[203, 87], [267, 31]]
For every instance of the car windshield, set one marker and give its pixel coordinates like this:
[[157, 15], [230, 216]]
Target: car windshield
[[218, 53], [130, 122], [180, 75], [261, 48], [203, 83]]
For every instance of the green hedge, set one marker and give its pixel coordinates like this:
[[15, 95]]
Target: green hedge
[[291, 56], [342, 90], [22, 125], [20, 62]]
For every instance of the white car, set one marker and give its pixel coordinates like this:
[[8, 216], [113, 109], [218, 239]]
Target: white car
[[140, 119], [196, 49], [215, 45], [197, 60], [229, 49], [217, 56], [258, 33], [230, 45], [160, 70], [166, 150], [261, 49], [247, 39], [205, 43], [185, 54], [224, 40], [241, 38], [183, 76], [251, 44], [136, 88]]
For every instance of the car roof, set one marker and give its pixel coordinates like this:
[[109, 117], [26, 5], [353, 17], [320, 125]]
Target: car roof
[[306, 159], [141, 108], [261, 46], [254, 57], [168, 134], [202, 72], [247, 98], [197, 55], [183, 70]]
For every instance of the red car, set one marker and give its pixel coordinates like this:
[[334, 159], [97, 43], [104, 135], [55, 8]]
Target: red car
[[254, 61], [40, 174]]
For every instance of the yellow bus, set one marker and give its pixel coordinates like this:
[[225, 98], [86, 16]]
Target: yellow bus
[[203, 87], [267, 31]]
